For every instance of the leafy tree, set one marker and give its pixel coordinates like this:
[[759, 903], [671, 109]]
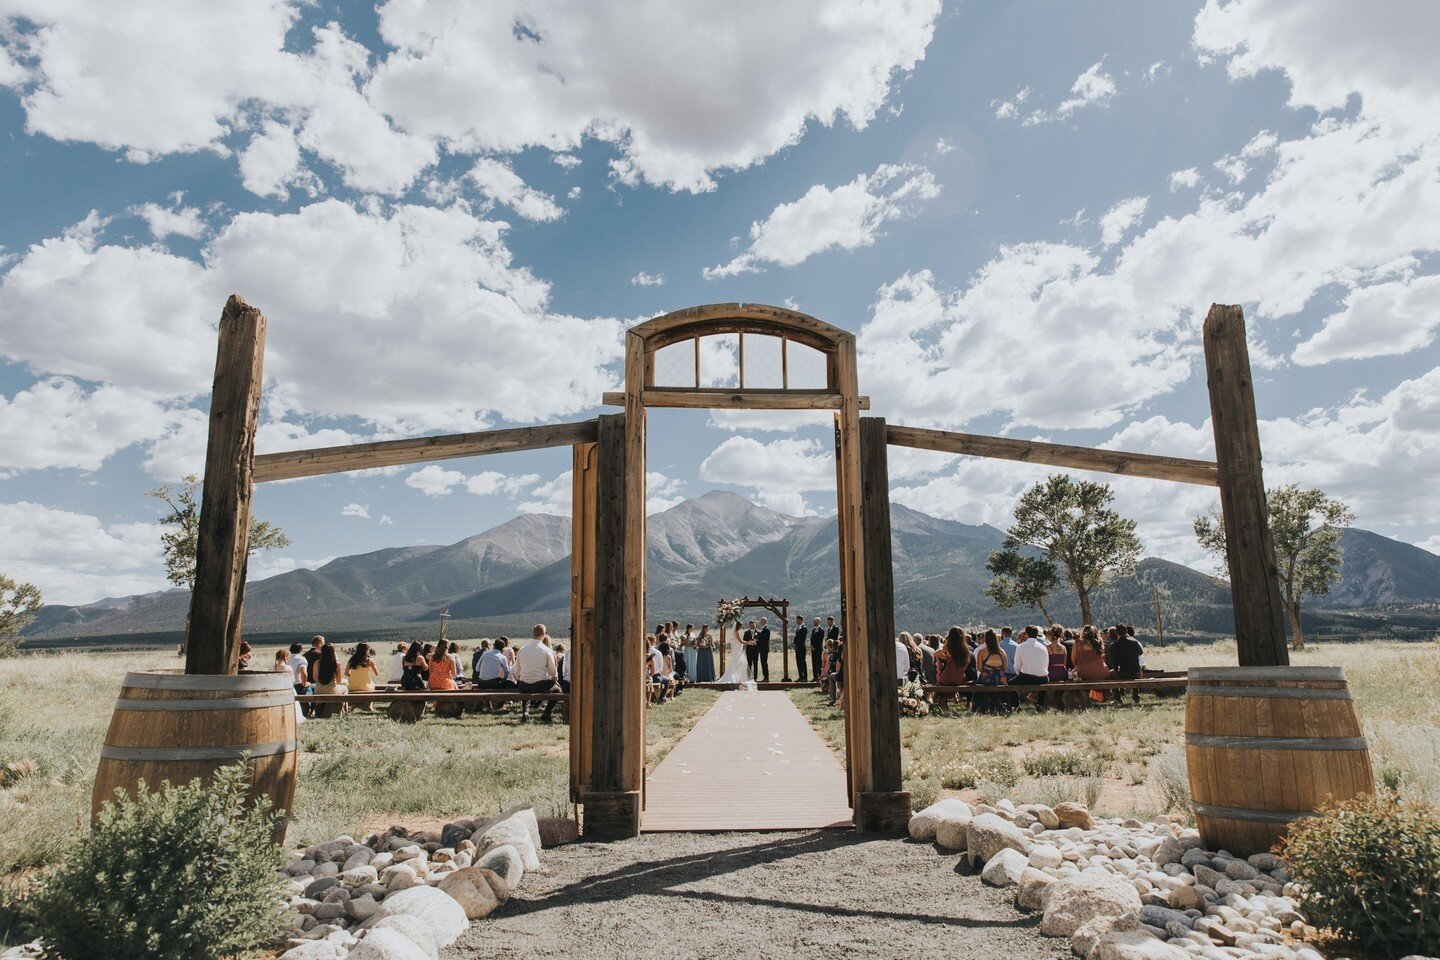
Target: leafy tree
[[19, 602], [183, 522], [1072, 522], [1305, 525], [1021, 580]]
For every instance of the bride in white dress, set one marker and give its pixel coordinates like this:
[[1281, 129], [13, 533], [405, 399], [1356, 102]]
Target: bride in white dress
[[735, 669]]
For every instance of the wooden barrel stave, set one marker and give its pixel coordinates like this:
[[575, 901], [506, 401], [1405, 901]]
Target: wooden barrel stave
[[169, 726], [1265, 745]]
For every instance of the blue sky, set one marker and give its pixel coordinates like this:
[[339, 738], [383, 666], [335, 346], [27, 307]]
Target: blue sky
[[449, 213]]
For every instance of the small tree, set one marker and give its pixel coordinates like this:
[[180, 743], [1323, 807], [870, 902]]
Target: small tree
[[183, 520], [19, 602], [1021, 580], [1071, 521], [1305, 525]]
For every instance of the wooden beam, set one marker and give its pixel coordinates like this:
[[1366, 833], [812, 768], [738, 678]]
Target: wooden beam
[[722, 398], [1249, 550], [582, 614], [222, 545], [1178, 469], [391, 453], [884, 806]]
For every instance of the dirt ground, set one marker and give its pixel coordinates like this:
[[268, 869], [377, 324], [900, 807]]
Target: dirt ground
[[824, 894]]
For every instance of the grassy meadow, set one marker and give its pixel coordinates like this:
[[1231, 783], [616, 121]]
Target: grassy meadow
[[1126, 760]]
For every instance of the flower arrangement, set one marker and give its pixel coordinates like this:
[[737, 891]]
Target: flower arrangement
[[913, 702], [728, 612]]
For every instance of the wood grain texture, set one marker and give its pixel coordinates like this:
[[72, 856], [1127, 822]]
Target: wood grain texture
[[222, 546], [879, 615], [1177, 469], [715, 319], [1250, 551], [585, 468], [389, 453], [1255, 762], [729, 398]]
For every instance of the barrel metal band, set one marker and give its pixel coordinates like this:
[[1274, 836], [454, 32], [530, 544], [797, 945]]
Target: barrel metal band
[[1267, 674], [235, 752], [1250, 814], [251, 682], [1276, 743], [229, 703], [1270, 693]]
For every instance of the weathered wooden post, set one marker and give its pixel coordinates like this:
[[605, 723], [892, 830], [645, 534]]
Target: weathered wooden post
[[1265, 743], [881, 802], [223, 542]]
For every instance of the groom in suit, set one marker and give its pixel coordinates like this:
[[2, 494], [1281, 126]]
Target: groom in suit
[[748, 639], [762, 648], [801, 673]]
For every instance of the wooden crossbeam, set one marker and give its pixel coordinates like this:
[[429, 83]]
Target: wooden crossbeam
[[723, 398], [391, 453], [1179, 469]]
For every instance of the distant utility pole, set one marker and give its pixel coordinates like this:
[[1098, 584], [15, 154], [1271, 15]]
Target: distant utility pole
[[1159, 619], [444, 624]]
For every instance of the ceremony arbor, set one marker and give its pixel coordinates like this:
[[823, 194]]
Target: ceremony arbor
[[786, 361]]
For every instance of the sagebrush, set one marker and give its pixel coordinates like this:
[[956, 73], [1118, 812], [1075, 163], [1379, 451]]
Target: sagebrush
[[188, 872]]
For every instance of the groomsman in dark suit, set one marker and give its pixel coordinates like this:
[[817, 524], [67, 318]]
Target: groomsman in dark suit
[[832, 632], [801, 634], [762, 648], [751, 651]]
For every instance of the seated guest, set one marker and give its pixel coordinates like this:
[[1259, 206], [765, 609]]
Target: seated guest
[[927, 656], [655, 668], [951, 663], [396, 669], [442, 668], [1089, 657], [244, 661], [1125, 659], [535, 672], [1059, 656], [282, 661], [670, 672], [416, 672], [300, 668], [837, 668], [990, 666], [562, 667], [902, 658], [1032, 662], [312, 657], [493, 670], [427, 651], [329, 680], [1008, 645], [475, 658], [361, 673]]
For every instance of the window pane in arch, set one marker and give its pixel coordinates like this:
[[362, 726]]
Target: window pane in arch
[[806, 367], [762, 362], [718, 360], [675, 365]]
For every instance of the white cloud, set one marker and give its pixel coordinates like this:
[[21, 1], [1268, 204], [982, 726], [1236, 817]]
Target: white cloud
[[503, 185], [492, 482], [1431, 543], [435, 481], [643, 279], [180, 220], [555, 496], [1094, 87], [780, 472], [385, 521], [1186, 179], [267, 564], [567, 160], [846, 217], [662, 492], [1118, 220], [74, 557], [56, 423], [270, 165], [1380, 320], [360, 510]]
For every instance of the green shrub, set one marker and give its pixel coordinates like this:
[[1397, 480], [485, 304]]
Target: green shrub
[[995, 768], [1068, 764], [184, 873], [1370, 869]]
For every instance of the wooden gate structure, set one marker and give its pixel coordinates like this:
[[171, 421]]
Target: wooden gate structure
[[816, 371]]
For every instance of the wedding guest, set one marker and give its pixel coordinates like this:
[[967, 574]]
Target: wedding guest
[[1125, 659], [837, 668], [329, 680], [902, 658], [535, 672], [705, 656], [677, 656], [927, 649], [1089, 657], [817, 646], [1032, 663], [396, 670], [442, 668], [667, 676], [415, 672], [1059, 670], [510, 662], [1008, 645], [655, 668], [562, 668], [427, 652], [492, 672], [312, 657], [952, 661], [282, 661], [244, 661], [991, 673], [361, 673], [802, 665]]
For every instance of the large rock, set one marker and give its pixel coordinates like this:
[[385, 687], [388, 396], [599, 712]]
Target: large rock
[[557, 831], [388, 945], [1074, 901], [1085, 942], [505, 861], [1169, 851], [922, 824], [412, 928], [1072, 814], [1136, 945], [516, 833], [1031, 892], [989, 834], [1004, 869], [313, 950], [477, 890], [442, 916], [953, 833]]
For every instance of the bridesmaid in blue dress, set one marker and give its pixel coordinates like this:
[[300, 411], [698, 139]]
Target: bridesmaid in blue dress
[[704, 656]]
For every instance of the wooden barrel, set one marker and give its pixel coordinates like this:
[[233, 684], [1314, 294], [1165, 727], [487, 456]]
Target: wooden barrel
[[171, 726], [1267, 745]]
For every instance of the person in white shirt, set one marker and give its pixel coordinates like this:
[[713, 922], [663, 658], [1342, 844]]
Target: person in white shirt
[[396, 669], [1032, 662], [902, 661], [535, 672], [299, 668]]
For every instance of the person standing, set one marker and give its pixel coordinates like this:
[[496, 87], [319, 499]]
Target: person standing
[[752, 666], [801, 672], [535, 672], [762, 648], [704, 656], [817, 646]]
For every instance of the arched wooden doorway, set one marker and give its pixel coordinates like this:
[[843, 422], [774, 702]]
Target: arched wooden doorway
[[608, 751]]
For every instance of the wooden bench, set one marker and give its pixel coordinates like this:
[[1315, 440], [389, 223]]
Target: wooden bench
[[1075, 694], [408, 706]]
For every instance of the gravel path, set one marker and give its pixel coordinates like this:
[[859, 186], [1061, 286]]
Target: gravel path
[[824, 894]]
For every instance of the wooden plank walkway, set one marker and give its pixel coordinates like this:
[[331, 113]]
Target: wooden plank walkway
[[753, 762]]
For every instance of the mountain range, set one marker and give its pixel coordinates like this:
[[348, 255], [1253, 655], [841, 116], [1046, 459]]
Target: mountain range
[[722, 545]]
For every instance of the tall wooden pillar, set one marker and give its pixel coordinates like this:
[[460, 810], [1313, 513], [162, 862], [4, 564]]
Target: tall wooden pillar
[[582, 615], [617, 737], [1249, 549], [223, 538], [881, 804]]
